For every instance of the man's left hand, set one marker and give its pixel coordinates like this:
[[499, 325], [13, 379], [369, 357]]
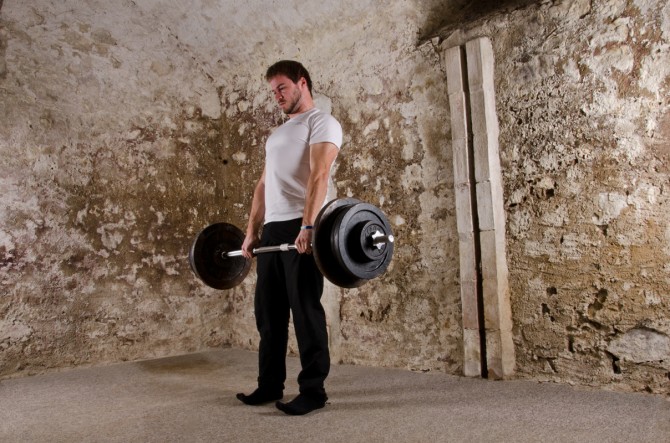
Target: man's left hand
[[303, 242]]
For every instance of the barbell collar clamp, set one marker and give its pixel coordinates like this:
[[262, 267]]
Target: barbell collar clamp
[[379, 239]]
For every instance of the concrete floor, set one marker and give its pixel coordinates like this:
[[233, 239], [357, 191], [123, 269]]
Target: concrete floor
[[191, 398]]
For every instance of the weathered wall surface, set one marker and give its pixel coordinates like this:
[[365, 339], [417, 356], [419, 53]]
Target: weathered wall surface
[[584, 110], [128, 126]]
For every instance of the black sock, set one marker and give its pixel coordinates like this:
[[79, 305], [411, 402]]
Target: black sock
[[302, 404], [260, 396]]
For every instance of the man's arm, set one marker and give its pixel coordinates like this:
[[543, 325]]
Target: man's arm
[[321, 158], [256, 216]]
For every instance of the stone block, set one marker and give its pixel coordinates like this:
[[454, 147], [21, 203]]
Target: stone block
[[640, 345], [495, 283], [459, 120], [472, 365], [463, 196], [508, 358], [491, 304], [497, 308], [493, 254], [485, 132], [454, 65], [470, 311], [466, 254], [461, 162], [500, 357], [480, 62], [494, 355], [490, 206]]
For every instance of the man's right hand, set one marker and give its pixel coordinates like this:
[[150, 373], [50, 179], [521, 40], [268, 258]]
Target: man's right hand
[[250, 242]]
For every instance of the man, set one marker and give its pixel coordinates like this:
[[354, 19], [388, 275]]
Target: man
[[287, 198]]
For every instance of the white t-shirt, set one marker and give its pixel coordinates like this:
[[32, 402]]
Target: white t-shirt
[[287, 162]]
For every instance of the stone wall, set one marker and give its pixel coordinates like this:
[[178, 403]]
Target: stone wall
[[584, 111], [126, 127]]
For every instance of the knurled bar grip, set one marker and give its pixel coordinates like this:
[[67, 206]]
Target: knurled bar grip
[[377, 241]]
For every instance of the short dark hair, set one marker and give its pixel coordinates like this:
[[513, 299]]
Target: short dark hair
[[291, 69]]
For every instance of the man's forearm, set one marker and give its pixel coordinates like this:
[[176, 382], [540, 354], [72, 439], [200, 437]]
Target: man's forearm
[[317, 189], [257, 213], [322, 156]]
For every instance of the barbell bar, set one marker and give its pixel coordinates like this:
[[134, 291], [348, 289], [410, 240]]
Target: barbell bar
[[377, 240], [352, 243]]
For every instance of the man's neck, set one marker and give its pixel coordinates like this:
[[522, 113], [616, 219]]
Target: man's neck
[[308, 105]]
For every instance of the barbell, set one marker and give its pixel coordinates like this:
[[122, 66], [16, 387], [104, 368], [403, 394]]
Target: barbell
[[352, 243]]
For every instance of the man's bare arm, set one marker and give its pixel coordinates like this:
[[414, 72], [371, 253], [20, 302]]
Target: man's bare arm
[[256, 217], [321, 159]]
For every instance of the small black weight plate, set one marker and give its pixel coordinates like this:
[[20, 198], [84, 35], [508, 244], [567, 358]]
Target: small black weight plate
[[321, 244], [351, 241], [207, 261]]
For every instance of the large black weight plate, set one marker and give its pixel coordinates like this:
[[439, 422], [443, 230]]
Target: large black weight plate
[[207, 261], [351, 241], [324, 255]]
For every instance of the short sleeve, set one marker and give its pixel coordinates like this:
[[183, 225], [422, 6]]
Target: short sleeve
[[325, 128]]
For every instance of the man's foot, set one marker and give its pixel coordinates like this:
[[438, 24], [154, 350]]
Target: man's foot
[[260, 396], [302, 404]]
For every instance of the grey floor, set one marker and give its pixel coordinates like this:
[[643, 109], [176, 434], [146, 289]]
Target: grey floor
[[191, 398]]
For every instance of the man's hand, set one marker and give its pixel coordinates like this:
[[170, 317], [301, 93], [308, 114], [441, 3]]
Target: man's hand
[[250, 242], [303, 242]]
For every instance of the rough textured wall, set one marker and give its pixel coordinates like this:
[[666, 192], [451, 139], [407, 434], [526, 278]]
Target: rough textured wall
[[584, 110], [110, 163], [127, 126]]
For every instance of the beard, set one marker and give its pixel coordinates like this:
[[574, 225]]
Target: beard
[[293, 104]]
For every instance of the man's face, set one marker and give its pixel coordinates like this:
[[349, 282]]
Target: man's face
[[287, 93]]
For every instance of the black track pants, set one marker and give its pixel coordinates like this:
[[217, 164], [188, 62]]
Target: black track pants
[[288, 281]]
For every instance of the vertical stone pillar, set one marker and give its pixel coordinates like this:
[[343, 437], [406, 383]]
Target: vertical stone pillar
[[461, 139], [472, 100]]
